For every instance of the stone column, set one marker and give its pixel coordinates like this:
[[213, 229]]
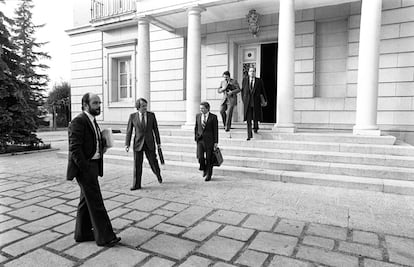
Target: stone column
[[286, 68], [193, 75], [368, 62], [143, 61]]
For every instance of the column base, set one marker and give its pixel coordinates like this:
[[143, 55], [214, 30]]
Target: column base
[[286, 128], [367, 131], [188, 126]]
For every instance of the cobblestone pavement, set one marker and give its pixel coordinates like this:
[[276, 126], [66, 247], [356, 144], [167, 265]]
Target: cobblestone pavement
[[188, 222]]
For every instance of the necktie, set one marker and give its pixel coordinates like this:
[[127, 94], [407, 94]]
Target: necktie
[[143, 120], [251, 85], [98, 135], [203, 123]]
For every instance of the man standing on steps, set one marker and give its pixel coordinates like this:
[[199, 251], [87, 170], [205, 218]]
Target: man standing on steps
[[206, 136], [229, 88], [254, 96], [85, 162], [146, 127]]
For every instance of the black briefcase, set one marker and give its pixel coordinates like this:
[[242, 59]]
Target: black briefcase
[[217, 157]]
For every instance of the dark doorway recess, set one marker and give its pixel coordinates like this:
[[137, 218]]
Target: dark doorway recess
[[268, 71]]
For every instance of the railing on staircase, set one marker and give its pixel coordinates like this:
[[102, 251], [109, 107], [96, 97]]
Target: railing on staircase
[[101, 9]]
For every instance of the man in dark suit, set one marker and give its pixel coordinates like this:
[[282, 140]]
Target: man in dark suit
[[253, 93], [146, 126], [86, 164], [206, 136], [229, 88]]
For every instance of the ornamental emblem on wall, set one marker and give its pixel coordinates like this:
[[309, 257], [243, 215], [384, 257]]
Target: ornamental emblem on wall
[[253, 20]]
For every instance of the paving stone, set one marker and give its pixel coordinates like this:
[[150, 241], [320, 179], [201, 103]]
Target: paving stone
[[260, 222], [175, 206], [196, 261], [108, 194], [31, 242], [111, 205], [326, 257], [83, 250], [319, 242], [202, 230], [124, 198], [365, 237], [252, 258], [3, 258], [4, 226], [29, 202], [118, 212], [327, 231], [133, 236], [54, 194], [72, 195], [11, 236], [4, 218], [31, 213], [228, 217], [8, 200], [34, 194], [235, 232], [73, 203], [146, 204], [189, 216], [4, 209], [222, 264], [64, 208], [45, 223], [13, 186], [280, 261], [375, 263], [51, 202], [168, 228], [400, 250], [361, 250], [158, 262], [274, 243], [120, 223], [112, 257], [163, 212], [62, 243], [151, 221], [40, 257], [290, 227], [220, 247], [136, 215], [66, 228], [169, 246]]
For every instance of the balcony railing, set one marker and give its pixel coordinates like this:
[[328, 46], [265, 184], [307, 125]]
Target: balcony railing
[[101, 9]]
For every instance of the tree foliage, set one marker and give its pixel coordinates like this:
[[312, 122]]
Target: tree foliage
[[21, 87]]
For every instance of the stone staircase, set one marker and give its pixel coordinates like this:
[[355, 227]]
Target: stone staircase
[[318, 158]]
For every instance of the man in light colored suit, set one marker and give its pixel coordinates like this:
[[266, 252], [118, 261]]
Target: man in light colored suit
[[206, 136], [229, 88], [146, 127]]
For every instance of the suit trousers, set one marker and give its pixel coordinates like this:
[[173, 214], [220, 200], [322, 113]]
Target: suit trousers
[[206, 162], [92, 219], [249, 117], [227, 116], [138, 160]]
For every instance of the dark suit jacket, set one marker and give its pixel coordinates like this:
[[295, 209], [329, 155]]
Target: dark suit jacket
[[210, 132], [82, 146], [258, 90], [143, 135], [224, 88]]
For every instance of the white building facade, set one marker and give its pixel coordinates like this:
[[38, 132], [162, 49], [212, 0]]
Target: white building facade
[[326, 64]]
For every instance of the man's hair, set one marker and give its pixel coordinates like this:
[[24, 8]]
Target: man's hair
[[226, 73], [138, 102], [85, 99], [206, 105]]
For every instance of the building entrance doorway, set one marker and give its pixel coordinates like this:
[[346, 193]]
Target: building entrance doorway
[[263, 57]]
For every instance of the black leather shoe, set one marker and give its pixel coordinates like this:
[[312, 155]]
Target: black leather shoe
[[227, 130], [135, 188], [208, 178], [159, 179], [248, 139], [255, 131], [111, 243], [204, 173]]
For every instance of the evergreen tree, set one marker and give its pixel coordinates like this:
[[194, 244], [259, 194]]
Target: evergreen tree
[[58, 103], [34, 82]]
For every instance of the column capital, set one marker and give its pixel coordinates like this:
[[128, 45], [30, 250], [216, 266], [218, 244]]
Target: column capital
[[143, 19], [195, 10]]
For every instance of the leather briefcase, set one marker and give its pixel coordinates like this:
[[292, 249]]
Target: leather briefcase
[[217, 157]]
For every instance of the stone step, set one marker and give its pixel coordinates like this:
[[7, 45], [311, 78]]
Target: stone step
[[380, 172], [396, 150], [350, 182], [321, 156]]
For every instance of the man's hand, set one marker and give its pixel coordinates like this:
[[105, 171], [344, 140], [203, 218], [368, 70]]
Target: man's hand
[[127, 148], [215, 146]]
